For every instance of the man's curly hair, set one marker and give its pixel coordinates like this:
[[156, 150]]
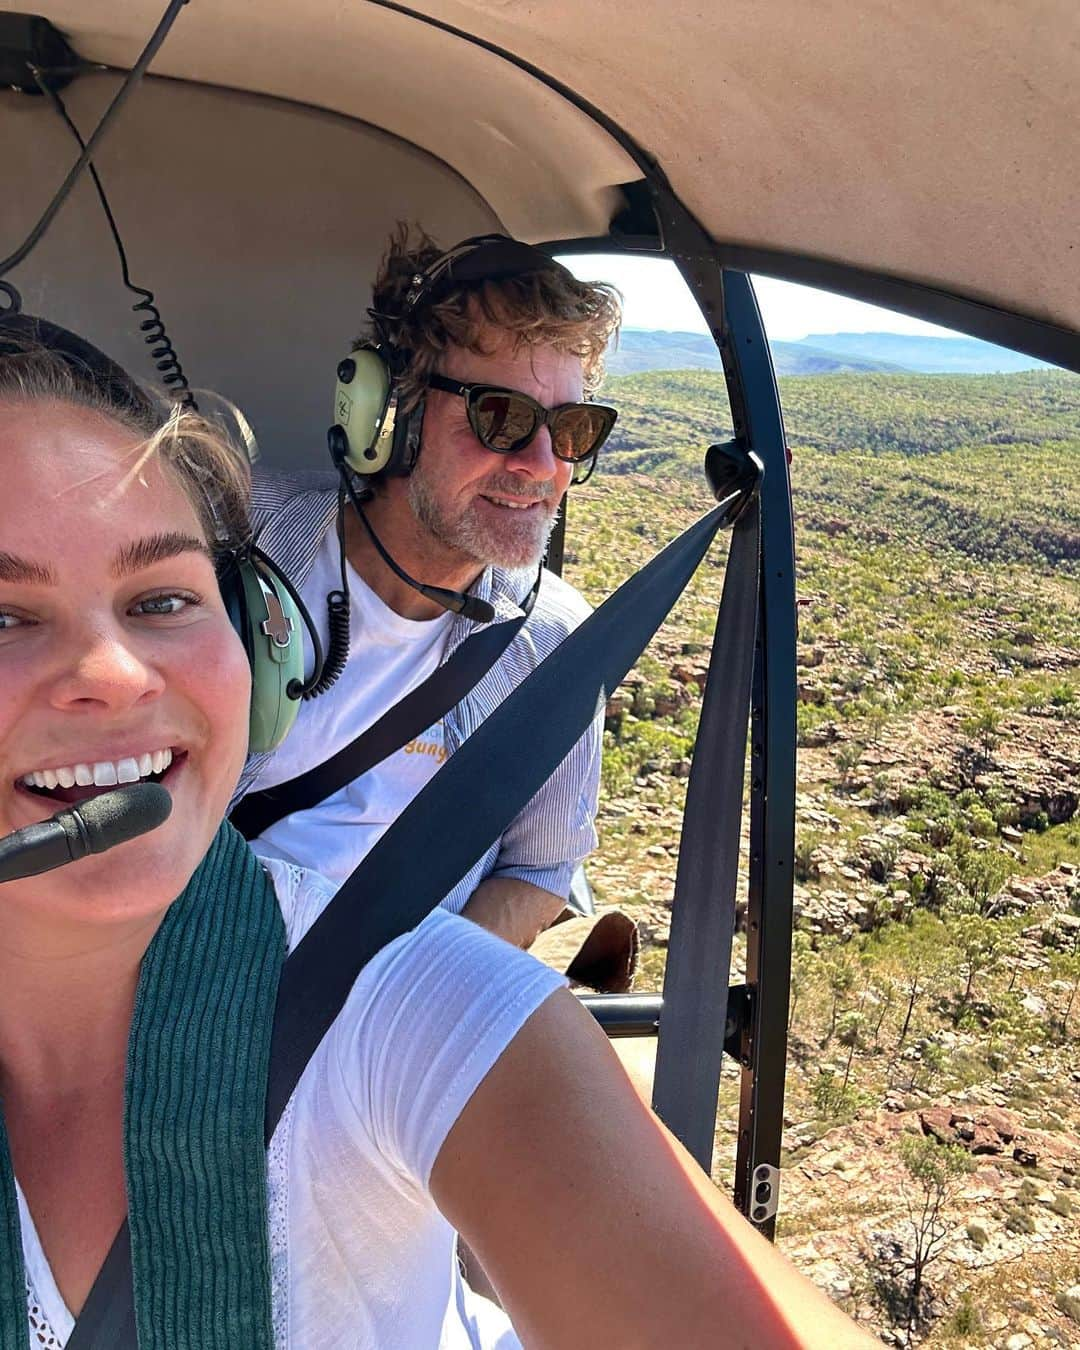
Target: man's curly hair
[[537, 309]]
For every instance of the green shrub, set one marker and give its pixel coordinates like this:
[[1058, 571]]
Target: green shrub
[[815, 723], [964, 1320], [833, 1102], [805, 867], [1019, 1221]]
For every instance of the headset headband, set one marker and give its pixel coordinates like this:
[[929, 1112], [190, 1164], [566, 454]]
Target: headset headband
[[484, 257], [21, 333]]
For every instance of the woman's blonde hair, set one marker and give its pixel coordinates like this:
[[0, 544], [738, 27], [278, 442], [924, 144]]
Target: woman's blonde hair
[[548, 308], [37, 366]]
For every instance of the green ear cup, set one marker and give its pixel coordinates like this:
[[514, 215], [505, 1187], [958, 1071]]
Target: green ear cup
[[362, 410], [272, 631]]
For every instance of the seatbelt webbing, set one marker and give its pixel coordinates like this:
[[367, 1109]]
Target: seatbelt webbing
[[107, 1320], [469, 803], [693, 1016], [425, 705], [432, 844]]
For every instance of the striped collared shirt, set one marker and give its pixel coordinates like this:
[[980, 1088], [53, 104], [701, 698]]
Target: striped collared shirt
[[292, 515]]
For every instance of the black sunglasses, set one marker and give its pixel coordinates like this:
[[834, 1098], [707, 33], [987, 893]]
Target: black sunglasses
[[505, 420]]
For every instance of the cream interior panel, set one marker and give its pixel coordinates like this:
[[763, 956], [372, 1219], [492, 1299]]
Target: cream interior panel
[[937, 140], [490, 121], [257, 224]]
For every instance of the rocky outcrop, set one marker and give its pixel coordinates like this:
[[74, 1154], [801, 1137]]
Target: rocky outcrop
[[986, 1131], [848, 1188]]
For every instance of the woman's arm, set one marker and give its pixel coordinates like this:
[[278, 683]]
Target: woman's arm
[[595, 1225]]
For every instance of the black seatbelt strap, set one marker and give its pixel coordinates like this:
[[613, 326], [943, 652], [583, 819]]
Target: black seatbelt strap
[[107, 1320], [425, 705], [432, 844], [469, 803], [693, 1017]]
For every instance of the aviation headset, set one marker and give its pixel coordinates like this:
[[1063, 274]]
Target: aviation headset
[[262, 605], [370, 434]]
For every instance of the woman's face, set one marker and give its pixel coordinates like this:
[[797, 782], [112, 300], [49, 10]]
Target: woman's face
[[117, 658]]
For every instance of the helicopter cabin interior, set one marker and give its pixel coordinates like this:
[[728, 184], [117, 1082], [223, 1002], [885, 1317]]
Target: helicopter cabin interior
[[914, 156]]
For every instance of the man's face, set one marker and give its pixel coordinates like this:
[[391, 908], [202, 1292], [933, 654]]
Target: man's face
[[486, 507]]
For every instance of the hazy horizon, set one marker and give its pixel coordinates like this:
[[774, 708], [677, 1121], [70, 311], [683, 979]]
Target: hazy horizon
[[656, 299]]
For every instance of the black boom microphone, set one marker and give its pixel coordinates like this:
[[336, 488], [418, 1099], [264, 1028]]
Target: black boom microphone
[[458, 602], [93, 826]]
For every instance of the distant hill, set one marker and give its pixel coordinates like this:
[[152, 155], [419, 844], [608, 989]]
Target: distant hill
[[823, 354], [927, 355], [647, 349], [667, 417]]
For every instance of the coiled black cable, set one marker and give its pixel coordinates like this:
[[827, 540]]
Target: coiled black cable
[[152, 326], [161, 349], [337, 651], [338, 609], [171, 371]]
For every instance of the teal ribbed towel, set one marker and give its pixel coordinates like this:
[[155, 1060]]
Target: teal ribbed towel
[[14, 1329], [194, 1149]]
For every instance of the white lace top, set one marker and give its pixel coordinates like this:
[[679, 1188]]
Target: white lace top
[[360, 1257], [41, 1333]]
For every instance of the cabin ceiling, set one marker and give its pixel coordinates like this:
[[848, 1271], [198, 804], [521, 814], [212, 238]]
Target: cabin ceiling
[[935, 140], [258, 225]]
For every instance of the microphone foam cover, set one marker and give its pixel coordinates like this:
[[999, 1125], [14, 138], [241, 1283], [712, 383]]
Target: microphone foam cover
[[115, 817]]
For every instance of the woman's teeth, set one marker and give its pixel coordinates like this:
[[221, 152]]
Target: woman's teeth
[[105, 773]]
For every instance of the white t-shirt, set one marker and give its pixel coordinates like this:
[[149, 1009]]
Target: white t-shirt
[[361, 1258], [388, 657]]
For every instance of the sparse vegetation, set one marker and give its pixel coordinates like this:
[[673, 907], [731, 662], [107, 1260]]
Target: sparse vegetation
[[933, 1173], [938, 556]]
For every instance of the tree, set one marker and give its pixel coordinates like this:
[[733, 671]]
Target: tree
[[915, 955], [840, 977], [984, 727], [847, 759], [930, 1063], [803, 961], [983, 873], [883, 996], [1066, 966], [980, 943], [933, 1175], [852, 1026]]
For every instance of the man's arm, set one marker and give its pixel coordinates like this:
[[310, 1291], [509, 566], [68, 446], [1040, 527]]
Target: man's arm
[[513, 909], [541, 848]]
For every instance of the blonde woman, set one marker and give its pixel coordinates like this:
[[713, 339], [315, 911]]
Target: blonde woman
[[136, 988]]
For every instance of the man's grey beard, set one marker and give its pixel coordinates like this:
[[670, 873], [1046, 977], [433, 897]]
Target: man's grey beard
[[511, 540]]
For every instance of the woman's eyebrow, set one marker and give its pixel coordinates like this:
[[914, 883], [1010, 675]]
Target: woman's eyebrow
[[15, 569], [155, 548]]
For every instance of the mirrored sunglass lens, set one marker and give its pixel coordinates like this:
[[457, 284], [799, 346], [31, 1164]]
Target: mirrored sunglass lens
[[504, 420], [577, 431]]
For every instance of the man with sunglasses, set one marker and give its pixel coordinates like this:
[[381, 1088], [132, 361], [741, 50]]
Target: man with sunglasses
[[492, 351]]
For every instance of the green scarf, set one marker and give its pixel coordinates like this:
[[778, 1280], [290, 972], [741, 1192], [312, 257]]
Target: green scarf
[[195, 1096]]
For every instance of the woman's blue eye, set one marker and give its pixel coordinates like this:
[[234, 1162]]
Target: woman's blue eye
[[9, 621], [169, 603]]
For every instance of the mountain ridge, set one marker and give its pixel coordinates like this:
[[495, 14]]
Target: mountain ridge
[[642, 349]]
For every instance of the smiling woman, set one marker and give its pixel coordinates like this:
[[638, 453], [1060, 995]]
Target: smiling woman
[[137, 991], [118, 656]]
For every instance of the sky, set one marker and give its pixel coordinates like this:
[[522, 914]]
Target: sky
[[656, 296]]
